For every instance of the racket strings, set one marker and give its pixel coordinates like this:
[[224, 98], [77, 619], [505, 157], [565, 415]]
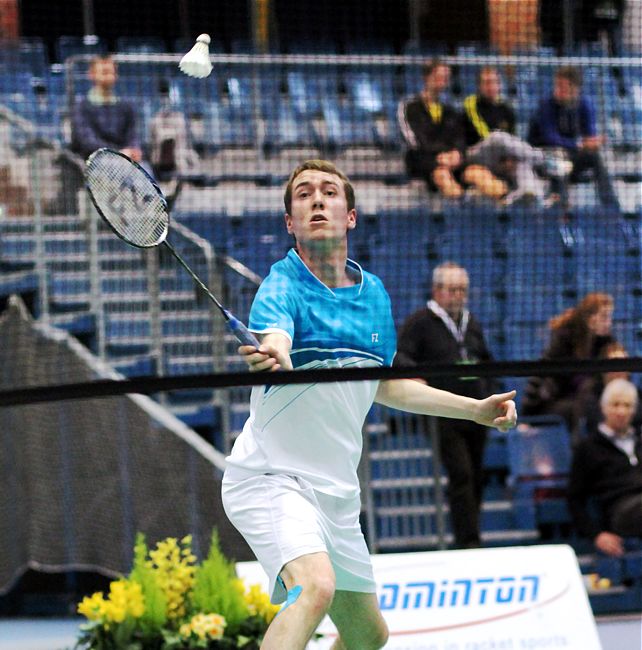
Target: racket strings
[[127, 198]]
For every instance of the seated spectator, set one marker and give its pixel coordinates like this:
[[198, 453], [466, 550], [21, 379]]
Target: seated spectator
[[581, 332], [591, 410], [491, 140], [102, 119], [99, 120], [607, 469], [566, 122], [435, 137]]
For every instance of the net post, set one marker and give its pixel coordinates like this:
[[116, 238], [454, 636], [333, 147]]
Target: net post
[[439, 491], [152, 268], [39, 231], [96, 298]]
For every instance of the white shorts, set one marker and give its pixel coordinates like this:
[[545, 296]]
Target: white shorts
[[282, 518]]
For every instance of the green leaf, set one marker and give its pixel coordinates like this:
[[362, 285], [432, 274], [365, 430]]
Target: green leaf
[[214, 590], [155, 615]]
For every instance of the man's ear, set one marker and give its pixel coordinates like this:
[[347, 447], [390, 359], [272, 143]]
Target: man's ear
[[288, 223], [352, 219]]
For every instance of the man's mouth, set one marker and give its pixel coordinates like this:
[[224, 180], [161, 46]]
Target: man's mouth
[[317, 217]]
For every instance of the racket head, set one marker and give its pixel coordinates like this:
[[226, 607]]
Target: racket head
[[127, 198]]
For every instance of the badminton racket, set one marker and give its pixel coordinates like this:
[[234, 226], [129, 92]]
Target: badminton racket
[[133, 206]]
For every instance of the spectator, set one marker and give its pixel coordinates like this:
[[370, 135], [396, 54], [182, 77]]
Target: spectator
[[490, 136], [592, 411], [566, 122], [581, 332], [607, 469], [102, 119], [446, 332], [435, 136], [99, 120]]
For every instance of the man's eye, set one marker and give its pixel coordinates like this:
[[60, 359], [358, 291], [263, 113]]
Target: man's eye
[[330, 192]]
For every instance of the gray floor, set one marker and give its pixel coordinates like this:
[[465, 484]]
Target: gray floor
[[621, 633]]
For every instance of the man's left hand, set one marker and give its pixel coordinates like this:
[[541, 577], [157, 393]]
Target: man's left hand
[[497, 411]]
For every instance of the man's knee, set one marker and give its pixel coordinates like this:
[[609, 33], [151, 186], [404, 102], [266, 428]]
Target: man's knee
[[319, 592]]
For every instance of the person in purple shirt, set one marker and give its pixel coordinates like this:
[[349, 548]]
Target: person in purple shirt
[[566, 121]]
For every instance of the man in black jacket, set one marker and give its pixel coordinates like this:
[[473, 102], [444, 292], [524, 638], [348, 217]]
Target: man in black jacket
[[435, 139], [607, 468], [445, 332], [490, 135]]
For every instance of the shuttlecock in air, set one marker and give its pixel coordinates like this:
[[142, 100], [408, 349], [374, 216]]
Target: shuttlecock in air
[[196, 63]]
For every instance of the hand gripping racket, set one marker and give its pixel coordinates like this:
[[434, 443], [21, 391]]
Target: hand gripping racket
[[134, 207]]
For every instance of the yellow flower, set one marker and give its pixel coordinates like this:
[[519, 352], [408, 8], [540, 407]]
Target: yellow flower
[[258, 604], [204, 626], [173, 563], [125, 599], [93, 607]]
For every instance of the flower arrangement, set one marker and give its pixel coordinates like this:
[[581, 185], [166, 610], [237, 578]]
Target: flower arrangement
[[170, 602]]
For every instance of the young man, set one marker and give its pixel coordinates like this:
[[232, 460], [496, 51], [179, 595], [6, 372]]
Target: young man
[[490, 136], [291, 486], [435, 138], [102, 119], [566, 121]]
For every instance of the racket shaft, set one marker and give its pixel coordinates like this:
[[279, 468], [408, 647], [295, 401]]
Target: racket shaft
[[234, 325]]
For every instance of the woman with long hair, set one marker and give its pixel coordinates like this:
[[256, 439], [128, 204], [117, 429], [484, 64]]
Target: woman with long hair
[[580, 332]]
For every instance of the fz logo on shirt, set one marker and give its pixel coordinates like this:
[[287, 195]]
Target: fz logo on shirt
[[375, 337]]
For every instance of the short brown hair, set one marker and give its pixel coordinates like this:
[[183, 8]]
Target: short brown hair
[[321, 166], [430, 66], [572, 74]]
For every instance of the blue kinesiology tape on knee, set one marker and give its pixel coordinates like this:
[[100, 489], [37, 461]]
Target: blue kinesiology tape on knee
[[293, 594]]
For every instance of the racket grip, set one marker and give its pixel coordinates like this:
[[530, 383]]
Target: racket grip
[[243, 335]]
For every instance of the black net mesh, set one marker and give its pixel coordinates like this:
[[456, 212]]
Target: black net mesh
[[541, 204], [81, 478]]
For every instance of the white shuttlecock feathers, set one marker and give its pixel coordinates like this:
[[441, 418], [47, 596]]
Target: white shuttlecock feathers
[[196, 63]]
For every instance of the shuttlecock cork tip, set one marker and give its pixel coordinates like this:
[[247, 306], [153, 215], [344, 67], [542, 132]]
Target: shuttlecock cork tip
[[204, 38]]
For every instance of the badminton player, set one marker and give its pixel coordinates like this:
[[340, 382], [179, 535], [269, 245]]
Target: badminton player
[[291, 485]]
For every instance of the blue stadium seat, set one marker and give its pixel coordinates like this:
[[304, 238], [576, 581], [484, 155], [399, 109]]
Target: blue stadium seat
[[141, 45], [525, 341], [306, 90], [228, 126], [284, 128], [67, 46], [28, 55], [347, 126], [539, 461], [258, 239]]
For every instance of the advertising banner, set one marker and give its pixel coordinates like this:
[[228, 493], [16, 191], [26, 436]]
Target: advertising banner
[[520, 598]]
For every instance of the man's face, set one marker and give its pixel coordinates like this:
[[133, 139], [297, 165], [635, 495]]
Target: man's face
[[452, 294], [618, 411], [438, 80], [103, 74], [564, 91], [490, 85], [319, 210]]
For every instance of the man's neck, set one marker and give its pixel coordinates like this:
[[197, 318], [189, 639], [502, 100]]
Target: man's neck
[[430, 96], [329, 266]]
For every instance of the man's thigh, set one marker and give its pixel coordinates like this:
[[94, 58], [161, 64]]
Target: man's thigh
[[358, 619]]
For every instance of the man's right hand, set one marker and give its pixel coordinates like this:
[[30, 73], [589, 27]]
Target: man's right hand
[[592, 142], [273, 354], [609, 543]]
